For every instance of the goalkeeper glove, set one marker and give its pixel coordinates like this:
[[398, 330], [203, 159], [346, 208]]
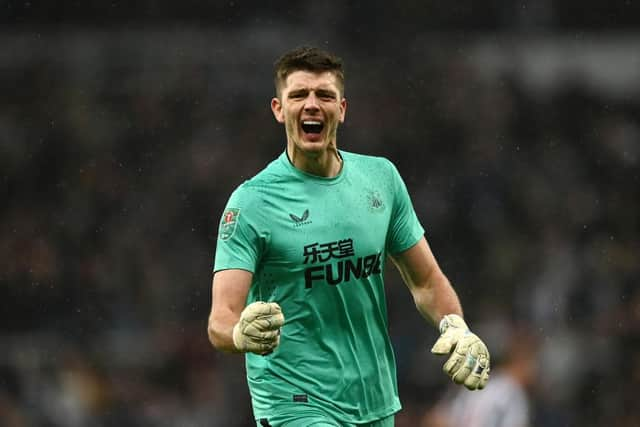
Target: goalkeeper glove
[[258, 330], [469, 360]]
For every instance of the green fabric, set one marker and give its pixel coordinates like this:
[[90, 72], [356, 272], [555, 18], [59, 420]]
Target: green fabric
[[316, 419], [317, 246]]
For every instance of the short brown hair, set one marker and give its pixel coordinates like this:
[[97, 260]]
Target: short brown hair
[[307, 58]]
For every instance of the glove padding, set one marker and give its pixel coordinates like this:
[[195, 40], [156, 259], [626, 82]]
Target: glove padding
[[258, 330], [469, 361]]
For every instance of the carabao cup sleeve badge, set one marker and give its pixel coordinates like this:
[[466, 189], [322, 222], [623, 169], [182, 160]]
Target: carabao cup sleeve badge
[[228, 223]]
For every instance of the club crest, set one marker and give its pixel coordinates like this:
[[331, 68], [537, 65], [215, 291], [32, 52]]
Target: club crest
[[375, 201]]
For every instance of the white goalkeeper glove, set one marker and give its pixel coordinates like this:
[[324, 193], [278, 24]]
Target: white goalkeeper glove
[[469, 360], [258, 330]]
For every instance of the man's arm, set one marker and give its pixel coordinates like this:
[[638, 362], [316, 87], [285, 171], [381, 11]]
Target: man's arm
[[432, 292], [228, 298], [236, 328], [469, 360]]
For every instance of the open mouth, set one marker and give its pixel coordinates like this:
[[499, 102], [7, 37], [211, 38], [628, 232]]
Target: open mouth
[[312, 126]]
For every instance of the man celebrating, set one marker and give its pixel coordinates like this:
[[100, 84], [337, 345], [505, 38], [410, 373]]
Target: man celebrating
[[306, 240]]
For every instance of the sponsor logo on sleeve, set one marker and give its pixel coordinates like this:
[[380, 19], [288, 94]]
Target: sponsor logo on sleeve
[[228, 223]]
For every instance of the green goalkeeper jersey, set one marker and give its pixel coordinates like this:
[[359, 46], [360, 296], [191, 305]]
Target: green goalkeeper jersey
[[317, 247]]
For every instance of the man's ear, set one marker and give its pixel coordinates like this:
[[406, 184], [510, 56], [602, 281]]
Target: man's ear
[[343, 109], [276, 107]]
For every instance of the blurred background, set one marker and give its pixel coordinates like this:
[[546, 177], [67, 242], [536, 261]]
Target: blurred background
[[124, 127]]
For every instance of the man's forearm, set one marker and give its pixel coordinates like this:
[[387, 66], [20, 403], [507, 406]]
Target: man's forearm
[[220, 331], [436, 298]]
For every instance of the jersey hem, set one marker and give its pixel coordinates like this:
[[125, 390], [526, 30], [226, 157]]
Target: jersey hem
[[290, 409]]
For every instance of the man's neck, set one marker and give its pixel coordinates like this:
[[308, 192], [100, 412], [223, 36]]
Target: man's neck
[[327, 164]]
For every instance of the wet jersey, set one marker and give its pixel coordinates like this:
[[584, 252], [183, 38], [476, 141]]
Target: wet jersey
[[317, 247]]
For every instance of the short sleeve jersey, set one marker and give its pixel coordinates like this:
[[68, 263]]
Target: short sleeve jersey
[[317, 247]]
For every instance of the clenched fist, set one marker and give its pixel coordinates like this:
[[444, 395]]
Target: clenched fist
[[258, 330]]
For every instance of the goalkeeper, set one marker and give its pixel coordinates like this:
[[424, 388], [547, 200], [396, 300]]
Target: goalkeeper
[[298, 280]]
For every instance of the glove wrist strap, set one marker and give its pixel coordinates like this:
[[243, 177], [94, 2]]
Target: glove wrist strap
[[451, 320], [234, 333]]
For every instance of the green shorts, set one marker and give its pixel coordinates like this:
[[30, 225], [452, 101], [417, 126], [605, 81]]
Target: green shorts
[[318, 419]]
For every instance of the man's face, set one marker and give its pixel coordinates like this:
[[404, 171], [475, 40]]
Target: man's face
[[310, 106]]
